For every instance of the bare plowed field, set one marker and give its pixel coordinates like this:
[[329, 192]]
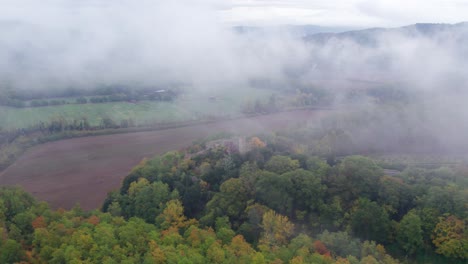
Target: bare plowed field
[[84, 170]]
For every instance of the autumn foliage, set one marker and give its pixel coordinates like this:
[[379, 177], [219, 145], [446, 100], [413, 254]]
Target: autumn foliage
[[268, 205], [255, 142], [39, 222], [321, 249]]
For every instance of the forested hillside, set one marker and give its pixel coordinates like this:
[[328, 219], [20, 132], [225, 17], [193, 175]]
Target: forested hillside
[[291, 139], [251, 200]]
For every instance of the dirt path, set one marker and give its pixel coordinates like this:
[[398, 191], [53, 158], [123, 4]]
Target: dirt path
[[84, 170]]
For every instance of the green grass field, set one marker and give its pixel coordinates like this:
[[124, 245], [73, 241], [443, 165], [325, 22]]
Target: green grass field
[[187, 107]]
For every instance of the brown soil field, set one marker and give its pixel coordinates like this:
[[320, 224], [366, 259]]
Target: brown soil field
[[83, 170]]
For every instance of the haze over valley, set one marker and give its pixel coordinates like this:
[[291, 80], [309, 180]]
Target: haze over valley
[[233, 131]]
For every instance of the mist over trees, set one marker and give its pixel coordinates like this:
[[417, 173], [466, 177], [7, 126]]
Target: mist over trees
[[327, 191], [154, 45], [420, 69]]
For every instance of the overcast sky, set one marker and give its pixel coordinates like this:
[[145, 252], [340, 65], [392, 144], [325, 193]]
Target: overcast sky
[[355, 13], [337, 13]]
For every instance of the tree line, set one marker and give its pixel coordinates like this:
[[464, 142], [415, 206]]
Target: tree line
[[14, 142], [270, 204], [21, 99]]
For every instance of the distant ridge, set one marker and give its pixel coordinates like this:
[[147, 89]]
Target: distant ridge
[[369, 36], [298, 30]]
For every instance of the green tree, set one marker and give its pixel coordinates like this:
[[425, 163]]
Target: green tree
[[107, 122], [317, 166], [357, 177], [14, 201], [409, 235], [306, 189], [369, 221], [448, 199], [331, 215], [105, 240], [395, 195], [251, 228], [275, 191], [10, 251], [147, 200], [340, 243], [281, 164], [231, 200], [429, 218]]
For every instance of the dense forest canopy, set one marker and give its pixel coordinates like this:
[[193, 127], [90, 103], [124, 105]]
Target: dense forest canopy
[[267, 202]]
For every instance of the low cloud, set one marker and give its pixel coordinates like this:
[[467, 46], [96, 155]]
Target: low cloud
[[60, 44], [56, 44]]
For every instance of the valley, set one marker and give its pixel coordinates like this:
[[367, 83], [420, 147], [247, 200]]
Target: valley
[[84, 170]]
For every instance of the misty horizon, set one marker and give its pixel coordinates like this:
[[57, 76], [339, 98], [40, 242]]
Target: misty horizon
[[234, 131], [237, 55], [189, 46]]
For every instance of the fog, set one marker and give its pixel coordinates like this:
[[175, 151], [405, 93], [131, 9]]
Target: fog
[[427, 62], [55, 44], [149, 43], [61, 44]]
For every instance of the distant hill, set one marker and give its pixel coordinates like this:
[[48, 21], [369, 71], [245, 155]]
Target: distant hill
[[296, 30], [370, 36]]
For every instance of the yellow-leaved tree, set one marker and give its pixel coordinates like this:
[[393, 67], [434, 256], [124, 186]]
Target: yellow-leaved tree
[[277, 229], [451, 238], [173, 216]]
